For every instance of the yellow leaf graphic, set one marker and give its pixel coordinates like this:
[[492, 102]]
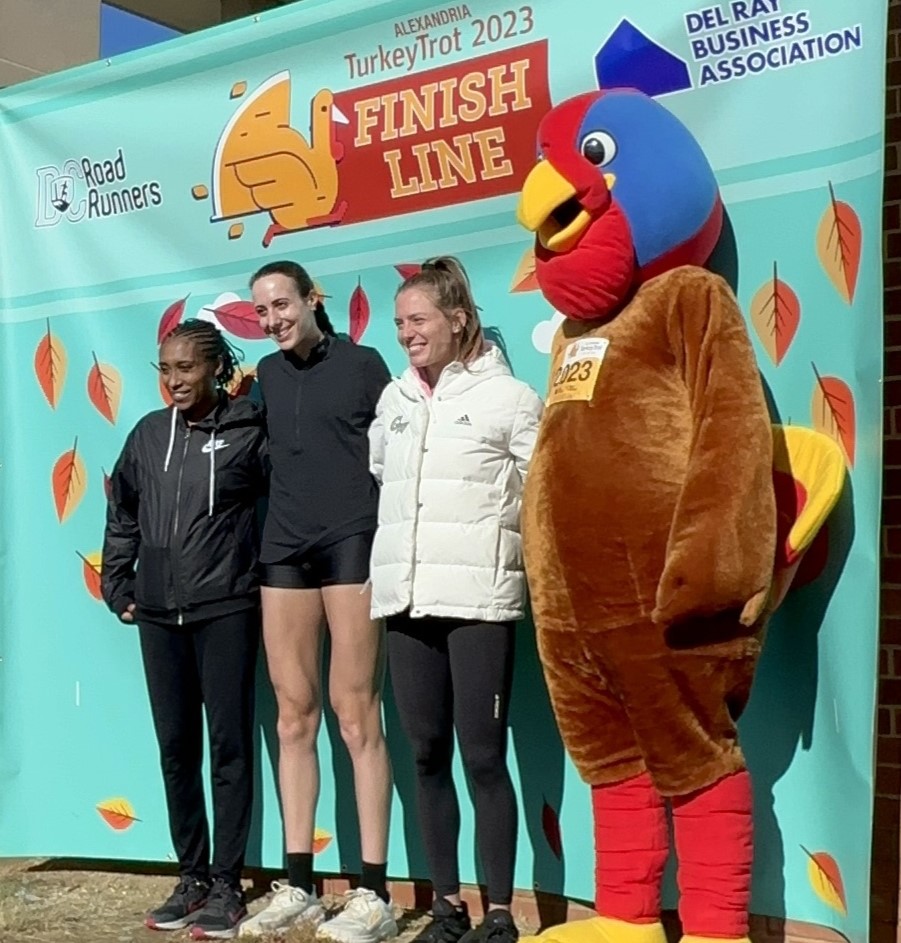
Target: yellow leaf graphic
[[117, 813], [826, 880], [524, 278], [321, 839]]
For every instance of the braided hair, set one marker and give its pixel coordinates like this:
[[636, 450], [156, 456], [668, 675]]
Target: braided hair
[[210, 345], [304, 284]]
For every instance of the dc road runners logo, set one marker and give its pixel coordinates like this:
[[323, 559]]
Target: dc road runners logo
[[89, 189]]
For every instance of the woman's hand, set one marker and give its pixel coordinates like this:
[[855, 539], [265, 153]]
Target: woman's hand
[[129, 614]]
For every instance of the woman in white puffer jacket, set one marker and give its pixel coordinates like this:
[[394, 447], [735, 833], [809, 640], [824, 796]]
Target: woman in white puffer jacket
[[451, 444]]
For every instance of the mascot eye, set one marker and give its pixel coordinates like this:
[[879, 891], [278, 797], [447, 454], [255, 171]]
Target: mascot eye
[[598, 147]]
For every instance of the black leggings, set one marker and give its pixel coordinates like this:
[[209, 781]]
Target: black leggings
[[207, 664], [450, 673]]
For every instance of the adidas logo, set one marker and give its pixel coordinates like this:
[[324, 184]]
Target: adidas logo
[[463, 420]]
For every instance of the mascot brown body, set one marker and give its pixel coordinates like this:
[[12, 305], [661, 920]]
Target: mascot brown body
[[650, 518]]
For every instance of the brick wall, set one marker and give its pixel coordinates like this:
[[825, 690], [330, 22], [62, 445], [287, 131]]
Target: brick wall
[[886, 874]]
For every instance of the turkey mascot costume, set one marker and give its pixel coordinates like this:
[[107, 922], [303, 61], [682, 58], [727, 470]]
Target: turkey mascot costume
[[653, 547]]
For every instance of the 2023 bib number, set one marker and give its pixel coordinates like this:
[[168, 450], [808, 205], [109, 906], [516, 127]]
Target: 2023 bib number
[[578, 370]]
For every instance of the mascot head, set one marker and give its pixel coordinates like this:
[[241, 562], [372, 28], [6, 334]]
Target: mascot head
[[622, 192]]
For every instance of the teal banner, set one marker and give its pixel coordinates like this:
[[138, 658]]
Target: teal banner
[[358, 137]]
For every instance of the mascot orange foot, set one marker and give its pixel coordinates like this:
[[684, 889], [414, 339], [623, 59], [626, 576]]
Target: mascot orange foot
[[664, 516]]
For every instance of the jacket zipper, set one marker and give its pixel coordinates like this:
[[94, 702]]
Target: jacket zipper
[[181, 471], [422, 451]]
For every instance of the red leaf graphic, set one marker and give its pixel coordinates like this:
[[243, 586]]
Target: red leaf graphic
[[107, 485], [551, 826], [240, 318], [406, 269], [171, 317], [358, 313], [834, 413], [775, 314]]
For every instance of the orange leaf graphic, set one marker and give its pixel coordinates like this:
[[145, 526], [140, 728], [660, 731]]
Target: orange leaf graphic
[[834, 413], [171, 317], [358, 312], [839, 242], [775, 314], [91, 572], [826, 880], [50, 363], [321, 839], [117, 813], [550, 824], [69, 482], [524, 278], [105, 389]]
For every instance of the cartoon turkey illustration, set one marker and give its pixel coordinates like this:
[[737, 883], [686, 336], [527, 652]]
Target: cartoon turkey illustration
[[262, 164]]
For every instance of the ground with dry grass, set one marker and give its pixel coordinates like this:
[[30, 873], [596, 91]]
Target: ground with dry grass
[[40, 903]]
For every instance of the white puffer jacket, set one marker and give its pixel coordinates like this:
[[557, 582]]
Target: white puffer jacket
[[452, 467]]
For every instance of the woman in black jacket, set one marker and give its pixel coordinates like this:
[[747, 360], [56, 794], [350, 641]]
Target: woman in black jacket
[[179, 559]]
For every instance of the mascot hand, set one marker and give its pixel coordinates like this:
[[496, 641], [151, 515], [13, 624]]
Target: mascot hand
[[679, 600]]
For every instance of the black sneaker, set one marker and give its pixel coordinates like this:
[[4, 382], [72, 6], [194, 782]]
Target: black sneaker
[[179, 910], [448, 924], [497, 926], [225, 909]]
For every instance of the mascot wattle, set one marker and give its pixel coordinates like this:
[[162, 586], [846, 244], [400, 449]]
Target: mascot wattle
[[654, 548]]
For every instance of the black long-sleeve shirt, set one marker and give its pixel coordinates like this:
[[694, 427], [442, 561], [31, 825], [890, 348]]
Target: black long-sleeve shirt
[[318, 413]]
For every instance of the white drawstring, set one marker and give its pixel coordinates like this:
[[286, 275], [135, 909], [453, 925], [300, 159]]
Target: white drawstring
[[212, 470], [171, 439]]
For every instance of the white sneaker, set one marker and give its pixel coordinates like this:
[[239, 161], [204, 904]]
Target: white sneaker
[[289, 907], [366, 918]]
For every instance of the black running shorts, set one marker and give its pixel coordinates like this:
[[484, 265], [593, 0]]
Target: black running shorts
[[339, 564]]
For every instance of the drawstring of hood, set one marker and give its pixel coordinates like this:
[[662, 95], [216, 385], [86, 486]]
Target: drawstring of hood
[[171, 439], [212, 471], [169, 450]]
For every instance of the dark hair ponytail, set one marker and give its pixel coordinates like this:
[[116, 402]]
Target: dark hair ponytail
[[305, 287], [322, 319]]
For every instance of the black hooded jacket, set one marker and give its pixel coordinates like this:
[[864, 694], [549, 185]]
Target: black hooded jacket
[[181, 538]]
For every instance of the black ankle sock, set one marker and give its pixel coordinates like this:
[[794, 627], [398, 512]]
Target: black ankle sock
[[300, 870], [374, 877]]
